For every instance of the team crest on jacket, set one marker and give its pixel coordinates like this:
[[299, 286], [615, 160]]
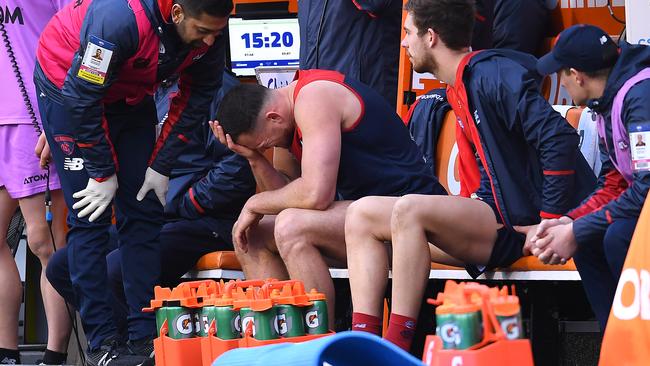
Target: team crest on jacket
[[66, 144]]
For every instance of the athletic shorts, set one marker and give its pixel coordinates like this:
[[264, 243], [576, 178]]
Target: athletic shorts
[[508, 247], [21, 173]]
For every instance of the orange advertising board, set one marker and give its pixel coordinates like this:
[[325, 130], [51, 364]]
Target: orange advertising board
[[628, 329]]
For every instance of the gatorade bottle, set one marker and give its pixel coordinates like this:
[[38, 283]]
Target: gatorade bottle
[[316, 319], [446, 327], [161, 316], [290, 322], [180, 321], [246, 316], [289, 316], [508, 313], [266, 326], [227, 320], [469, 323]]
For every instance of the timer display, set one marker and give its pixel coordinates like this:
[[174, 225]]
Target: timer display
[[263, 42]]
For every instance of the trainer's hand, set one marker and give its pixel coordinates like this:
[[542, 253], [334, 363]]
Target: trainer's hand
[[154, 181], [246, 220], [542, 228], [42, 150], [558, 246], [529, 231], [226, 139], [96, 197]]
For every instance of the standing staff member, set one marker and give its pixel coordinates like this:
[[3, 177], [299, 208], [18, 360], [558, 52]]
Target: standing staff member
[[22, 180], [99, 117]]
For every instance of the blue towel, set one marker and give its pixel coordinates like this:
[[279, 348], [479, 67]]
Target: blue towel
[[342, 349]]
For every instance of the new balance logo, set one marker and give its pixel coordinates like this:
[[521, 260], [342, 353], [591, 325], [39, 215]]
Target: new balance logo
[[73, 164]]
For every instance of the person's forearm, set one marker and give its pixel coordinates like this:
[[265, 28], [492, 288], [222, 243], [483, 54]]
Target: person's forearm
[[293, 195], [266, 176]]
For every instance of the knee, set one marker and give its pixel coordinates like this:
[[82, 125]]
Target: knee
[[406, 212], [40, 241], [290, 233], [617, 238], [359, 218]]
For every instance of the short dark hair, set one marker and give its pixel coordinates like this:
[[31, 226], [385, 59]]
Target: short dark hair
[[598, 74], [240, 108], [215, 8], [452, 20]]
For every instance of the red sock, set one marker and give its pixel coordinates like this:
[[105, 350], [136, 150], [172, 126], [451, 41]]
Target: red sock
[[366, 323], [401, 330]]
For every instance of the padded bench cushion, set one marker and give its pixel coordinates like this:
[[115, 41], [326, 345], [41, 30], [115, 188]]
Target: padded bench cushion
[[228, 260]]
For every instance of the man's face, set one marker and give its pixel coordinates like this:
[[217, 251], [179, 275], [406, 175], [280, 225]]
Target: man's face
[[416, 47], [200, 31], [572, 85], [266, 135]]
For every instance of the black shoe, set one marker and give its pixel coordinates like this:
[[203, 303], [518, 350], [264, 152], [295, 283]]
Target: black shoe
[[111, 354], [142, 347]]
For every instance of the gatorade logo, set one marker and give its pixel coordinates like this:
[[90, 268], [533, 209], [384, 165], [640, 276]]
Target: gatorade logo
[[206, 324], [197, 322], [632, 302], [510, 328], [184, 324], [238, 323], [311, 319], [282, 325], [244, 324], [449, 333]]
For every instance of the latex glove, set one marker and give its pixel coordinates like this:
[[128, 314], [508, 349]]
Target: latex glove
[[96, 197], [156, 181]]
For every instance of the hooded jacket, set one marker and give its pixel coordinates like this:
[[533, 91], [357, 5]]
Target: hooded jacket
[[527, 159], [614, 198]]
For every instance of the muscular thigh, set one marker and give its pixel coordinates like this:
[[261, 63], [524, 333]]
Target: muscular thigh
[[323, 229]]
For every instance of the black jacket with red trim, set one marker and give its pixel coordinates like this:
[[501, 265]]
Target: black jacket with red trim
[[534, 165], [614, 199]]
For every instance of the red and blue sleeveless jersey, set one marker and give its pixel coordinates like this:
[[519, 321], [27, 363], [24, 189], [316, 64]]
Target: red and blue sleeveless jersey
[[378, 155]]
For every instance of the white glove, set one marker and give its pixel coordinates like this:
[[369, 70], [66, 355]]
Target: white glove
[[96, 197], [156, 181]]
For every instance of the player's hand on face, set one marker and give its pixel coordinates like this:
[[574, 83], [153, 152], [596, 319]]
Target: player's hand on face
[[227, 140], [247, 219]]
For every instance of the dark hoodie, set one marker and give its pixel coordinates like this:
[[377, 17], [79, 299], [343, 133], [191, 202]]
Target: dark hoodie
[[533, 165], [614, 199]]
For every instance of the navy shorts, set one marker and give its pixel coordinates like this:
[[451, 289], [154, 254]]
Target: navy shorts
[[508, 248]]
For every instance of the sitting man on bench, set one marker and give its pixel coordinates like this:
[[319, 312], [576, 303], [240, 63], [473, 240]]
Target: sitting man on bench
[[519, 163], [345, 142]]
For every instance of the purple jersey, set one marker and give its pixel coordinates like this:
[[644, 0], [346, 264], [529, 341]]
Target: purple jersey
[[23, 21]]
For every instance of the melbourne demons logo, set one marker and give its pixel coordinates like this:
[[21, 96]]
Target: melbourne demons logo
[[66, 144]]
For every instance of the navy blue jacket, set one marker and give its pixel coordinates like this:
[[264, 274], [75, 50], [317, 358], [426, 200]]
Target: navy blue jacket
[[208, 178], [115, 22], [531, 151], [613, 199], [358, 38]]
